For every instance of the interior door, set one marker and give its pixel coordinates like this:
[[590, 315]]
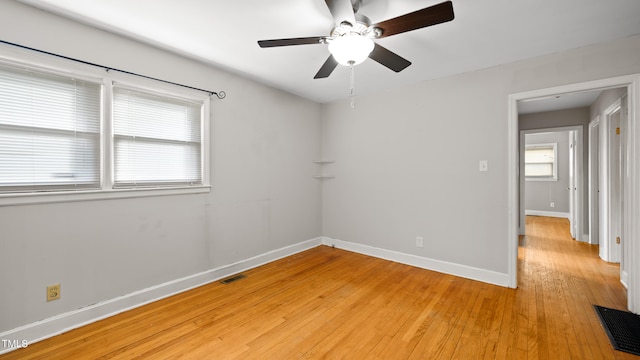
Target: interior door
[[615, 160], [624, 176]]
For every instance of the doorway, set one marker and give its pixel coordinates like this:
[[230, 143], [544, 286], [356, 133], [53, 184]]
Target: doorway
[[630, 172], [610, 181], [551, 162]]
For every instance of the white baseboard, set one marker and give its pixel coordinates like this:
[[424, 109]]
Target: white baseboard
[[491, 277], [548, 213], [61, 323], [624, 279]]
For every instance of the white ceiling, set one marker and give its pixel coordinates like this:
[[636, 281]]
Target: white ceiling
[[483, 34]]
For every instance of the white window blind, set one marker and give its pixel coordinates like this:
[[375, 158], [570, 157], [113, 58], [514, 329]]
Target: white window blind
[[157, 140], [540, 161], [49, 132]]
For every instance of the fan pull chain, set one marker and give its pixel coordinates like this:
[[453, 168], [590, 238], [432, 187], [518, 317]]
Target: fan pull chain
[[352, 96]]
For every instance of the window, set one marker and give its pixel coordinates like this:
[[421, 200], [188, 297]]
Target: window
[[49, 132], [76, 138], [540, 162], [156, 140]]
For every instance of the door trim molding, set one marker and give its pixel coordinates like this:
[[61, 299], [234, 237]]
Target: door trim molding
[[606, 183], [594, 154], [579, 176]]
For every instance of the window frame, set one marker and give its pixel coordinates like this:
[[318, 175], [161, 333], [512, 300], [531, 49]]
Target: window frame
[[63, 133], [11, 56], [553, 177]]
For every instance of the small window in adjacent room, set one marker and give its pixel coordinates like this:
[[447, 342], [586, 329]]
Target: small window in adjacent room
[[540, 162]]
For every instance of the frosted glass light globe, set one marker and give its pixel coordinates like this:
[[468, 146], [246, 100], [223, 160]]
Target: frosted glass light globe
[[351, 49]]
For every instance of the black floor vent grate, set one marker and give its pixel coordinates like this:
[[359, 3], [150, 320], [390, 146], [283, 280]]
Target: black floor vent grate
[[622, 327], [233, 278]]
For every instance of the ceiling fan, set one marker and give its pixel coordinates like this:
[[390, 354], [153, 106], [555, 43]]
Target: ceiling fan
[[351, 40]]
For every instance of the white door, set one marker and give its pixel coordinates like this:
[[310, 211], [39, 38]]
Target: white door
[[624, 189], [615, 178]]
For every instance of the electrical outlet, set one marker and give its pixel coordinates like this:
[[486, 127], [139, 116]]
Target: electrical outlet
[[419, 241], [484, 165], [53, 292], [552, 204]]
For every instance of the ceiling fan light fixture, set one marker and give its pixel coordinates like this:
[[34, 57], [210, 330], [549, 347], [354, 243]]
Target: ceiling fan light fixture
[[351, 49]]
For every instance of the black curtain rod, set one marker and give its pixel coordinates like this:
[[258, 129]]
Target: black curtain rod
[[218, 94]]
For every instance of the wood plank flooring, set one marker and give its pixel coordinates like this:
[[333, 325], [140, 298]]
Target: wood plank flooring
[[333, 304]]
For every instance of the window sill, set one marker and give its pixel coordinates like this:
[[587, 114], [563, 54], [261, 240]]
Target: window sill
[[89, 195], [541, 179]]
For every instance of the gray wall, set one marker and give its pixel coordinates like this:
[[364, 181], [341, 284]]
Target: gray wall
[[539, 194], [263, 196], [605, 100], [407, 159], [555, 119]]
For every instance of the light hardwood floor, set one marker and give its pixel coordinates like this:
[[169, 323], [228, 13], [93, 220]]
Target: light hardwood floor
[[330, 303]]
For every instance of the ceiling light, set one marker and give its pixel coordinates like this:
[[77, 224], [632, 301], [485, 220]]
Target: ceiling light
[[350, 49]]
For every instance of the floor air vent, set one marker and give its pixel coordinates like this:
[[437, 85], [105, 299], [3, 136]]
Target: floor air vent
[[233, 278]]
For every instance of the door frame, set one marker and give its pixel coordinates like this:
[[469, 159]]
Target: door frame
[[609, 197], [576, 212], [576, 183], [632, 83], [594, 180]]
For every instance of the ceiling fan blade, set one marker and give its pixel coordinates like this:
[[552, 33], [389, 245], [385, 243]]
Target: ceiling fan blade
[[389, 59], [327, 68], [292, 41], [432, 15], [341, 10]]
